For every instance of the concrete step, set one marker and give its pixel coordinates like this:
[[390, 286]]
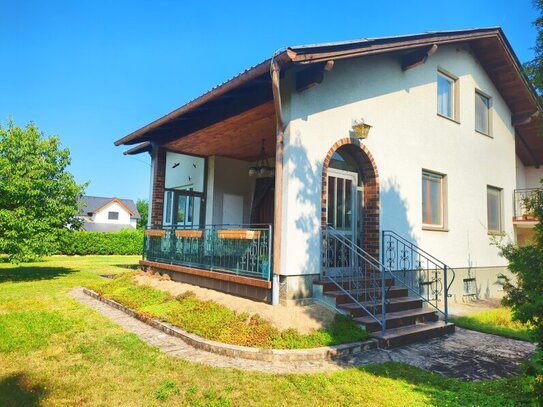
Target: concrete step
[[393, 305], [413, 333], [341, 297], [399, 319]]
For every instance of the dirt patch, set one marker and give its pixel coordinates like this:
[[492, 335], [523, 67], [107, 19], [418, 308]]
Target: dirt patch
[[305, 318], [471, 307]]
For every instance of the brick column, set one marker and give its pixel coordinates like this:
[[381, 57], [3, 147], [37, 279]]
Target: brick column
[[159, 177]]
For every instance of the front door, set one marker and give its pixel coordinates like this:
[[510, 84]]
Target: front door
[[342, 214], [342, 210]]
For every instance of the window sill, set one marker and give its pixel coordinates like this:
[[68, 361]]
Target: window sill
[[435, 229], [484, 134], [497, 234], [452, 119]]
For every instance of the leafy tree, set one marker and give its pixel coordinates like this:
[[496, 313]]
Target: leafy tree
[[38, 196], [143, 209], [525, 296], [534, 68]]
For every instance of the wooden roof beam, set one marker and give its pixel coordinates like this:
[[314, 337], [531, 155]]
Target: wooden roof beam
[[418, 57], [523, 118]]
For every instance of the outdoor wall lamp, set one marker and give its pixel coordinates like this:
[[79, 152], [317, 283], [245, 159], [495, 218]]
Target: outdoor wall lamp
[[361, 129]]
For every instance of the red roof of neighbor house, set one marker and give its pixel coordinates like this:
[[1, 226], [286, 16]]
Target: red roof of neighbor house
[[489, 45]]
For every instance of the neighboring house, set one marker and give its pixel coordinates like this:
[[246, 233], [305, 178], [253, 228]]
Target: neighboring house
[[388, 154], [101, 214]]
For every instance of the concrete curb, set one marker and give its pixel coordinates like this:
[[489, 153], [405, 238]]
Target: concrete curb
[[245, 352]]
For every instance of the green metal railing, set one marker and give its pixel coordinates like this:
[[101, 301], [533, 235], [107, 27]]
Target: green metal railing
[[239, 249]]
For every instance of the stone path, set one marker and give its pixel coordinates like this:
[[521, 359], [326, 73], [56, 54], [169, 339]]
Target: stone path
[[465, 354]]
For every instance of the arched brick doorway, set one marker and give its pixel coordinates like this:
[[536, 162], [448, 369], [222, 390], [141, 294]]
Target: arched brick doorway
[[363, 163]]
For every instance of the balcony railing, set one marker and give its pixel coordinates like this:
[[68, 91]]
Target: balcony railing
[[519, 198], [244, 250]]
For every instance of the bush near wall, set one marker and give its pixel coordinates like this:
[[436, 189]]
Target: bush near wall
[[127, 241]]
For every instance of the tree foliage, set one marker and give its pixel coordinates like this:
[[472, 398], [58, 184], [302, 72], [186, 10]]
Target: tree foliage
[[143, 208], [534, 68], [38, 196], [525, 296]]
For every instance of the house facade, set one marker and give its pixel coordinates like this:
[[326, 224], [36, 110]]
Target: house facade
[[349, 166], [101, 214]]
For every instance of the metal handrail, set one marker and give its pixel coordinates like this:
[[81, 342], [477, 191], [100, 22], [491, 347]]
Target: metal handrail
[[213, 247], [361, 276], [401, 255]]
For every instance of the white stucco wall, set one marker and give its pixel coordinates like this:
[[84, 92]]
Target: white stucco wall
[[407, 136], [102, 215], [533, 176]]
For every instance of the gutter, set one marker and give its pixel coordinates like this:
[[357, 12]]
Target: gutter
[[275, 70]]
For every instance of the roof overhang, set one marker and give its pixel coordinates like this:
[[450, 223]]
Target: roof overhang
[[252, 88]]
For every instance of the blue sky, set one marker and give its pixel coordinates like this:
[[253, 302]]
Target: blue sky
[[92, 72]]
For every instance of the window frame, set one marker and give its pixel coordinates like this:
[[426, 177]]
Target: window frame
[[442, 226], [110, 213], [500, 229], [453, 79], [479, 92]]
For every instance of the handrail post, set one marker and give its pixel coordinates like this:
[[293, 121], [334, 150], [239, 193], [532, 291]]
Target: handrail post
[[383, 301], [446, 293]]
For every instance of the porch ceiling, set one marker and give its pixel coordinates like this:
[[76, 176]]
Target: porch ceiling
[[238, 137]]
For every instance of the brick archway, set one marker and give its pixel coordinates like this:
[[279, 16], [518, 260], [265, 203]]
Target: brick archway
[[370, 178]]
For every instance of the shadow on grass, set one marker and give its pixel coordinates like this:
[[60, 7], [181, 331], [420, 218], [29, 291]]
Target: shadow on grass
[[441, 390], [128, 266], [17, 390], [33, 273]]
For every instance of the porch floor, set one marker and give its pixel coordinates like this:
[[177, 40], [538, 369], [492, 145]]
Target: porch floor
[[303, 318]]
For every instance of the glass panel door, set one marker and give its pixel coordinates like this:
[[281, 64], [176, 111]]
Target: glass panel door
[[342, 201]]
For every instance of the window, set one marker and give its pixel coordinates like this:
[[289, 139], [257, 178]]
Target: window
[[113, 215], [494, 209], [446, 95], [433, 199], [482, 113]]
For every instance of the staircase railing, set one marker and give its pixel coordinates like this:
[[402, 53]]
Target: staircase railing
[[356, 274], [423, 275]]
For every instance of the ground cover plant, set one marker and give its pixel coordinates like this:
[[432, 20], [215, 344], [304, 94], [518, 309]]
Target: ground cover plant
[[496, 321], [58, 352], [214, 321]]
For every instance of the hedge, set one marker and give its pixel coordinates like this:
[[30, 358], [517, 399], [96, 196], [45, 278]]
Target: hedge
[[127, 241]]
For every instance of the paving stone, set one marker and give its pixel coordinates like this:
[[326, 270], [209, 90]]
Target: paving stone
[[465, 354]]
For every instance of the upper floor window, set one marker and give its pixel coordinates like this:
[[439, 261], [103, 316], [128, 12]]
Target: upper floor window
[[446, 95], [482, 113], [494, 209], [113, 215], [433, 199]]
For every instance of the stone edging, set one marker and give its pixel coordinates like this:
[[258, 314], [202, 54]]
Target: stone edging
[[269, 355]]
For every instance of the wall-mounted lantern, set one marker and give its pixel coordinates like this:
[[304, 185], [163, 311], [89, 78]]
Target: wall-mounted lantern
[[361, 129]]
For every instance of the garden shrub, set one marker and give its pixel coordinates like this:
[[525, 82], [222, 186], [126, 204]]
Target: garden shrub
[[124, 242]]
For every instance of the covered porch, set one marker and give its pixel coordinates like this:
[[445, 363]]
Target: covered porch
[[212, 207]]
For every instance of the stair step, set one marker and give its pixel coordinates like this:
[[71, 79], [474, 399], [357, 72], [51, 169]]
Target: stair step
[[413, 333], [328, 285], [399, 319], [341, 297], [393, 305]]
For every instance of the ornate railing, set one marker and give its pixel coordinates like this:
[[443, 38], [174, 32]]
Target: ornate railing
[[520, 196], [423, 275], [356, 273], [238, 249]]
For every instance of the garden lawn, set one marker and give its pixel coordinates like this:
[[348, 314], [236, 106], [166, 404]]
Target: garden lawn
[[214, 321], [54, 351], [496, 321]]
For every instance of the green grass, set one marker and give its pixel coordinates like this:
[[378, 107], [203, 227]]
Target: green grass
[[496, 321], [214, 321], [83, 358]]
